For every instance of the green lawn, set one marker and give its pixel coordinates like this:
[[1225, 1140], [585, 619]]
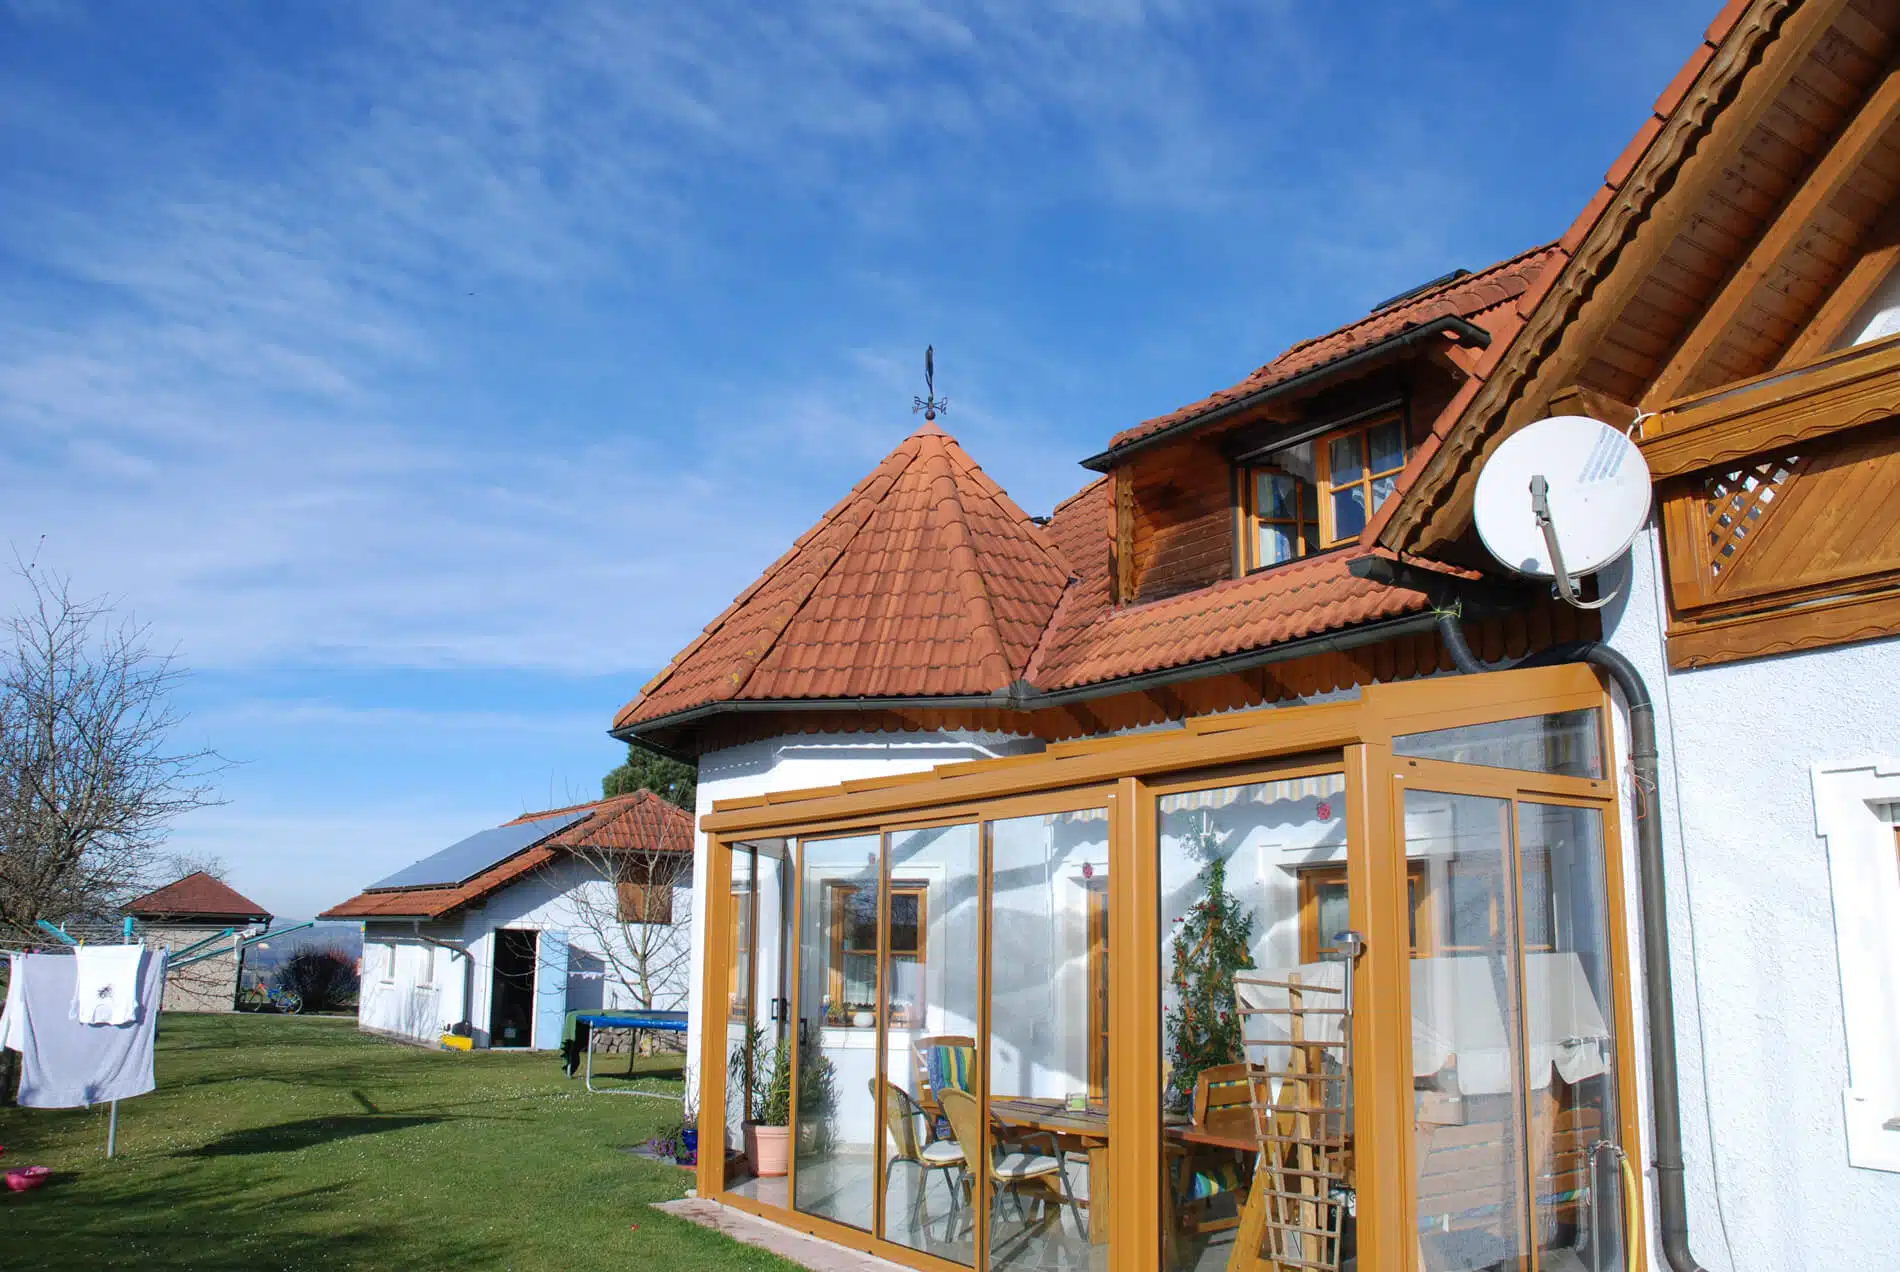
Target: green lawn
[[278, 1142]]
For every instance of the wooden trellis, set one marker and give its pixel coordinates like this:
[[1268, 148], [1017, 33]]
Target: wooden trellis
[[1297, 1026]]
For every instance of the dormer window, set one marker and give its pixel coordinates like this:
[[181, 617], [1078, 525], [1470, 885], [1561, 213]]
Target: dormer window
[[1319, 494]]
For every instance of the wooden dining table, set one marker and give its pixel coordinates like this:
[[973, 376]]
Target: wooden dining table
[[1083, 1131]]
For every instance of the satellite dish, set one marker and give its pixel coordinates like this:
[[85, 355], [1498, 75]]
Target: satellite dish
[[1563, 497]]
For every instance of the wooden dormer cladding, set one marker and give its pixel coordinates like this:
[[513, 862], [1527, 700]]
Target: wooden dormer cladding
[[1175, 520], [1182, 509], [1735, 248]]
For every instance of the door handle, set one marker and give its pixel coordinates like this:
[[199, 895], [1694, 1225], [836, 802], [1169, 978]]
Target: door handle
[[1351, 944]]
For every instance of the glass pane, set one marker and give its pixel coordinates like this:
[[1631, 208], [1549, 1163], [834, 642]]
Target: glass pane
[[1309, 504], [1382, 488], [759, 1011], [1347, 458], [836, 1134], [1277, 544], [1567, 743], [1567, 1015], [1349, 512], [1275, 496], [1251, 877], [1388, 447], [1466, 1072], [932, 993], [1048, 1055]]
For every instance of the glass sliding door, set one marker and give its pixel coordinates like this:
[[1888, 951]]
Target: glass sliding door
[[1569, 1034], [758, 1007], [836, 1124], [1254, 902], [1046, 1175], [933, 929], [1514, 1055], [1468, 1090]]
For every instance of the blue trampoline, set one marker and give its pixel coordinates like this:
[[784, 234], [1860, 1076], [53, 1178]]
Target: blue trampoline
[[637, 1021]]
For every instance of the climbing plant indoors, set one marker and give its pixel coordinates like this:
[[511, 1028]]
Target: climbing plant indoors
[[1210, 944]]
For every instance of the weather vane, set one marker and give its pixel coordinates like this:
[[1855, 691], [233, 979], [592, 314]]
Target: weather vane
[[931, 404]]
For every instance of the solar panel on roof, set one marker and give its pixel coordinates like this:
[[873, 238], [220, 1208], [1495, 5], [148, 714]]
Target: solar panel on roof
[[462, 861]]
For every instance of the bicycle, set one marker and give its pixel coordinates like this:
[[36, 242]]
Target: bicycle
[[287, 1001]]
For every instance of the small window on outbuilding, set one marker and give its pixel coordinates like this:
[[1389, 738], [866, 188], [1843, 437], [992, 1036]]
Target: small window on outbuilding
[[645, 902]]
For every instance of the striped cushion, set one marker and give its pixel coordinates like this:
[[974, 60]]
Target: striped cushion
[[1206, 1183], [950, 1067]]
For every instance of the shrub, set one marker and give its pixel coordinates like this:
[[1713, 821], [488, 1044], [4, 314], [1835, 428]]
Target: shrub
[[325, 979]]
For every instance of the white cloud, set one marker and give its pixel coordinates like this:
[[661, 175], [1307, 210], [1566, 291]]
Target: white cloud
[[253, 380]]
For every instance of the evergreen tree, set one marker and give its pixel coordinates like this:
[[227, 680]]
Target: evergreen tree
[[672, 780], [1210, 944]]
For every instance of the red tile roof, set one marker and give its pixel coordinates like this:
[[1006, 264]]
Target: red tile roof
[[197, 894], [925, 580], [1486, 298], [640, 822], [1092, 640]]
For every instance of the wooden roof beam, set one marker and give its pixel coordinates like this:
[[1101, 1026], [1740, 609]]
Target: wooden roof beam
[[1881, 255], [1830, 174]]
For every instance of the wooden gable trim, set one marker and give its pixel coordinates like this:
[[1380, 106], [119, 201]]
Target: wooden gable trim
[[1838, 622], [1617, 243], [1782, 409], [1830, 175]]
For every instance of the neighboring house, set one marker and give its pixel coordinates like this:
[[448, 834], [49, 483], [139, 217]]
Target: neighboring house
[[197, 908], [502, 934], [963, 772]]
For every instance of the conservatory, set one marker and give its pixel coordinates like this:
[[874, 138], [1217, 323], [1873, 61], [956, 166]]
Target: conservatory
[[1328, 986]]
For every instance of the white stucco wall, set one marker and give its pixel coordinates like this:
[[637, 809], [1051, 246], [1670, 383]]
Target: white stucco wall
[[419, 998], [1752, 919]]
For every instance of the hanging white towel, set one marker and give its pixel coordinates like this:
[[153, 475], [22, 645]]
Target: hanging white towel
[[65, 1064], [106, 984], [10, 1015]]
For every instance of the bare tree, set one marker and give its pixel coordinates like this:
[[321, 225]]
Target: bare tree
[[90, 778], [634, 910], [179, 864]]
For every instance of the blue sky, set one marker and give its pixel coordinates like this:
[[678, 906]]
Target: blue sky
[[427, 376]]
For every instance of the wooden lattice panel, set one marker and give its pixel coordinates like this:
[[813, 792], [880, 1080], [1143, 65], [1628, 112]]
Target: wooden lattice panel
[[1297, 1027], [1735, 503]]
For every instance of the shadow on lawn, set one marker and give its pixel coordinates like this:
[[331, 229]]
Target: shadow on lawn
[[289, 1137], [209, 1226]]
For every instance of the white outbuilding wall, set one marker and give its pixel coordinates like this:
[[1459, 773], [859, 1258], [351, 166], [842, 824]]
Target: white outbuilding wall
[[417, 990], [1779, 777]]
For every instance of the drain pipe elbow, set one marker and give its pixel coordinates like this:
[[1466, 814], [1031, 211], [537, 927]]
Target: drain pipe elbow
[[1672, 1208]]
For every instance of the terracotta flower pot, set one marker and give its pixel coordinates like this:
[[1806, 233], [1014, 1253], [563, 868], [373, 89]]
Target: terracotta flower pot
[[769, 1147]]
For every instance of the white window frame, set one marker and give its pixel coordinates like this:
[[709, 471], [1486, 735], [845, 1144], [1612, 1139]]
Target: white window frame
[[1855, 807]]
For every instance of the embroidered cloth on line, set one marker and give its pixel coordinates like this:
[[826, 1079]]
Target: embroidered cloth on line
[[106, 988]]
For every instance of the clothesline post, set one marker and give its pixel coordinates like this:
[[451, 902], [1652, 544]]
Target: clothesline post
[[112, 1129]]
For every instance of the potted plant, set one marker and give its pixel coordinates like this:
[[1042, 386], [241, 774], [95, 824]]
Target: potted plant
[[769, 1134], [686, 1151]]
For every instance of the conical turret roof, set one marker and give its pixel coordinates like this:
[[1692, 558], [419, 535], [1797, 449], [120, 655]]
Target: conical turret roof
[[926, 580]]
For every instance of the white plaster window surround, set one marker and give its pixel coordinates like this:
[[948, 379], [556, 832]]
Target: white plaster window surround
[[1854, 809]]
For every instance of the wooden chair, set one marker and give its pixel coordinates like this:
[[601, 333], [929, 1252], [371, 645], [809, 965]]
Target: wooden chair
[[931, 1155], [1014, 1170], [1466, 1184], [961, 1046], [1203, 1173]]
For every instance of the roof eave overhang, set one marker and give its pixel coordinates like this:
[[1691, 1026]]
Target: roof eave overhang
[[1024, 697], [1458, 330]]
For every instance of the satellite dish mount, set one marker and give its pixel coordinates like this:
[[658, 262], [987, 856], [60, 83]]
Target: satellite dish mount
[[1540, 508], [1589, 497]]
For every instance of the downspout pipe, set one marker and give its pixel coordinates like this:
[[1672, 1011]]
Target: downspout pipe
[[1665, 1103]]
